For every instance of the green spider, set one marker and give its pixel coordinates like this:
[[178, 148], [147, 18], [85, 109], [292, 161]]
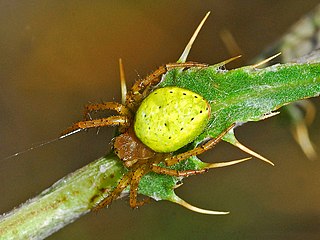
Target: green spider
[[154, 123]]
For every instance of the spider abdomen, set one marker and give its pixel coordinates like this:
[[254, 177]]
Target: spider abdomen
[[171, 117]]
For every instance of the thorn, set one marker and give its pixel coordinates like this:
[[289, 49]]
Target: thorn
[[230, 42], [252, 153], [309, 110], [269, 115], [178, 185], [231, 138], [266, 60], [301, 135], [220, 64], [184, 55], [123, 82], [300, 128], [302, 114], [225, 164], [183, 203]]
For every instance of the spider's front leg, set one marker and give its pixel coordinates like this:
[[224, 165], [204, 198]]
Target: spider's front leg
[[95, 123], [122, 120], [119, 108], [154, 78], [143, 87]]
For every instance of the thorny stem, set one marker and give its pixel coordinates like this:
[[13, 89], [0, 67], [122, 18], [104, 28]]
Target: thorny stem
[[62, 203]]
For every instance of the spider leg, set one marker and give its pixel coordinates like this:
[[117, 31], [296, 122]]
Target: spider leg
[[153, 78], [137, 93], [102, 122], [123, 183], [185, 65], [136, 177], [119, 108], [176, 173], [201, 149], [142, 87]]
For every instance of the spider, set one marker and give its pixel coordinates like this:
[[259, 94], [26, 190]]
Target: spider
[[136, 156], [141, 155]]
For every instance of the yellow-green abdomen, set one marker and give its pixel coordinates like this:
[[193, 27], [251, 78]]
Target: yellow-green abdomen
[[171, 117]]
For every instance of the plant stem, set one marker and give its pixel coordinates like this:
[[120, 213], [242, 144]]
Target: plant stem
[[64, 202]]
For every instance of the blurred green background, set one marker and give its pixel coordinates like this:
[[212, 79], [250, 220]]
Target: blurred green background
[[56, 56]]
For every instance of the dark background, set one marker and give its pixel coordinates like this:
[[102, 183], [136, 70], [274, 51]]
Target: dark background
[[56, 56]]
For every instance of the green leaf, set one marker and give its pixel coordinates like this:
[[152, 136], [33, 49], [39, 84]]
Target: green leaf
[[246, 94], [236, 96]]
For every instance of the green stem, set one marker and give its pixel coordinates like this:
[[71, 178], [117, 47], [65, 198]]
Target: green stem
[[62, 203]]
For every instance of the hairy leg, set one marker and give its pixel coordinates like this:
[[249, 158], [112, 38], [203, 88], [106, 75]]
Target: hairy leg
[[141, 88], [176, 173], [124, 182], [198, 150], [119, 108], [102, 122], [136, 177]]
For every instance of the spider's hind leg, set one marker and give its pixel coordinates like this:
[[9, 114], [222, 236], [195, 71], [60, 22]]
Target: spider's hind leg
[[176, 173], [124, 182], [198, 150], [136, 177]]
